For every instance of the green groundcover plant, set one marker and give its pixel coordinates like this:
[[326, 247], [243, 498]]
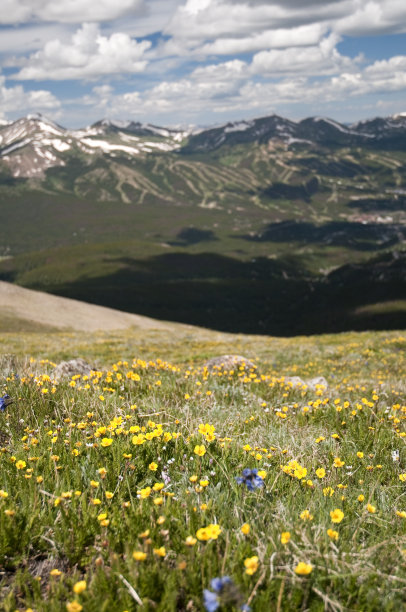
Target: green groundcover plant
[[162, 485]]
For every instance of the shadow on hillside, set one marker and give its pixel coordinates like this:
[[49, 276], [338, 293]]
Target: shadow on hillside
[[303, 191], [379, 204], [260, 296], [358, 236], [193, 235]]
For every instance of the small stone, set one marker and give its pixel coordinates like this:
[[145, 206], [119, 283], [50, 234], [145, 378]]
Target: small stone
[[313, 383], [229, 362], [67, 369], [9, 364], [295, 381]]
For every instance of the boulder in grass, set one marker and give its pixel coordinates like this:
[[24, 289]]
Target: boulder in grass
[[9, 364], [229, 362], [311, 383], [67, 369], [294, 381], [317, 382]]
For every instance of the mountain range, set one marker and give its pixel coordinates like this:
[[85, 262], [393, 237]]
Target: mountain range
[[33, 144], [293, 214]]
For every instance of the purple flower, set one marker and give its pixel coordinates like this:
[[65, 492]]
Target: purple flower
[[218, 584], [5, 401], [251, 479], [226, 593], [210, 601]]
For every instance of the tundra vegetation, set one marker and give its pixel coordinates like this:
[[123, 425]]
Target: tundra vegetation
[[155, 483]]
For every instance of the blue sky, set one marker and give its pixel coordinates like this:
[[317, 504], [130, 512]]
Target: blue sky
[[201, 62]]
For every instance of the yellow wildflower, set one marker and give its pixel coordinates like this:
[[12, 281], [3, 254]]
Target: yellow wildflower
[[79, 587], [332, 534], [337, 515], [74, 606], [251, 565], [303, 569]]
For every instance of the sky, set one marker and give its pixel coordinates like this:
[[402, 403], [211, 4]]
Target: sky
[[201, 62]]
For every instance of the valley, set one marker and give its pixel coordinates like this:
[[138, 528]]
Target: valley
[[266, 226]]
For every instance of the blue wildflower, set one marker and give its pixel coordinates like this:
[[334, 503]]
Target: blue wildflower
[[210, 601], [5, 401], [251, 479], [218, 584], [226, 593]]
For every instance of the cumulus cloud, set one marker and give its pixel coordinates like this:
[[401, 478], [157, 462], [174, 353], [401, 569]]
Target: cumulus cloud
[[15, 98], [317, 59], [285, 52], [20, 42], [231, 87], [373, 17], [20, 11], [309, 34], [86, 56], [207, 25]]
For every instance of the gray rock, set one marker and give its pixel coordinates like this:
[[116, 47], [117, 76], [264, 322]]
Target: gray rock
[[295, 381], [312, 383], [229, 362], [67, 369], [318, 380], [9, 364]]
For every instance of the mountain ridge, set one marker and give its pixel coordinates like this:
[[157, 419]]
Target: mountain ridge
[[31, 145]]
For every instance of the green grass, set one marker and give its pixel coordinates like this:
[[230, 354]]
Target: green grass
[[154, 384]]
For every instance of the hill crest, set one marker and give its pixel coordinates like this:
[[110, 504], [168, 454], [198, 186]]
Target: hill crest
[[38, 308]]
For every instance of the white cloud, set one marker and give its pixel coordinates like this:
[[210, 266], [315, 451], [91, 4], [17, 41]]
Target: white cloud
[[373, 17], [72, 11], [230, 88], [227, 27], [86, 56], [28, 39], [304, 35], [321, 59], [16, 99], [386, 68], [219, 18], [290, 50], [238, 26]]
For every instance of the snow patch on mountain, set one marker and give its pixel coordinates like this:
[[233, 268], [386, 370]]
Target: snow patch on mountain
[[14, 147], [239, 126], [56, 143], [128, 138], [336, 125], [107, 146]]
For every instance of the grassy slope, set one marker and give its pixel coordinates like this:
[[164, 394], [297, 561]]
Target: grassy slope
[[24, 309], [362, 570]]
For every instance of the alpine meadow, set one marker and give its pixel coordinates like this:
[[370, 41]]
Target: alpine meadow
[[202, 306]]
